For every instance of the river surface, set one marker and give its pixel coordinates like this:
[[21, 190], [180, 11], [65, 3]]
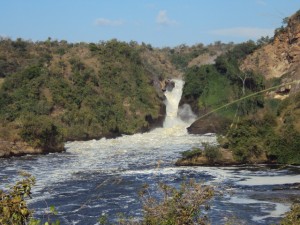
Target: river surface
[[104, 176]]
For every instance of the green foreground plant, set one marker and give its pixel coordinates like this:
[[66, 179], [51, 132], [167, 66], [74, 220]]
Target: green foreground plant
[[168, 206], [13, 206], [293, 216]]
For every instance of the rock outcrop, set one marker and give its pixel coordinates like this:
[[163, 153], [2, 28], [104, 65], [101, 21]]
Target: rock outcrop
[[167, 85], [226, 159], [281, 56], [209, 124], [19, 148]]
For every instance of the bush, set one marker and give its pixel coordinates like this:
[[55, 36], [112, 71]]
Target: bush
[[195, 152], [249, 138], [212, 153], [13, 206], [176, 206], [41, 131], [292, 217]]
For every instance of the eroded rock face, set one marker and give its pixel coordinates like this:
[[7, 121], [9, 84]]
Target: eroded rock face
[[155, 122], [18, 148], [167, 85], [280, 57]]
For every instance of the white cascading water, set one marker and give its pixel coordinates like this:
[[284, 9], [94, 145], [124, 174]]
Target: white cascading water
[[105, 175], [173, 97]]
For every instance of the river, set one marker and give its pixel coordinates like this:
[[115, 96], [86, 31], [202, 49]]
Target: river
[[104, 176]]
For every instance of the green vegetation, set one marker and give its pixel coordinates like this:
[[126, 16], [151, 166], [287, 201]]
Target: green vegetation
[[177, 206], [249, 137], [13, 206], [42, 132], [182, 55], [173, 206], [292, 217], [195, 152], [274, 132], [212, 153], [212, 86], [261, 129], [54, 91]]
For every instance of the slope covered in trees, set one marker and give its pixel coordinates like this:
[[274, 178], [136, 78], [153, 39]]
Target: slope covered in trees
[[54, 91], [263, 128]]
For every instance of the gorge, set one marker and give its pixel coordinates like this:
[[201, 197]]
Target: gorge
[[96, 122], [104, 176]]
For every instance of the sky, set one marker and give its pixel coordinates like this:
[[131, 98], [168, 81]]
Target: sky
[[160, 23]]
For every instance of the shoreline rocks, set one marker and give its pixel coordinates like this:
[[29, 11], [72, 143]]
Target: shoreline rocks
[[18, 148], [226, 159]]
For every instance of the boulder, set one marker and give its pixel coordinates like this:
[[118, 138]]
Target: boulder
[[210, 124], [168, 85]]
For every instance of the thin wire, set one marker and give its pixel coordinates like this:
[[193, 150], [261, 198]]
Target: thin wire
[[248, 96]]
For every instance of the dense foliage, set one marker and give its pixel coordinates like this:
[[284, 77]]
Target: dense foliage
[[261, 128], [210, 86], [273, 131], [55, 91]]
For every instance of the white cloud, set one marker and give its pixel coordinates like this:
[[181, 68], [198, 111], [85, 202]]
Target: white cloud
[[163, 19], [246, 32], [108, 22], [261, 2]]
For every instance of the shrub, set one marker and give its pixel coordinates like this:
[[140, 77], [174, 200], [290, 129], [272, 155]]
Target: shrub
[[212, 153], [249, 138], [292, 217], [13, 206], [177, 206], [41, 131], [194, 152]]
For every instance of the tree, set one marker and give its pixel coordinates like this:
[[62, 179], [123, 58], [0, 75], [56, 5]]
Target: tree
[[42, 132]]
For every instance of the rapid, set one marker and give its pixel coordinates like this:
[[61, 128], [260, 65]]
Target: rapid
[[98, 177]]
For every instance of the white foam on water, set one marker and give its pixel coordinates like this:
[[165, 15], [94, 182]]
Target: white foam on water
[[152, 153], [279, 208], [270, 180], [279, 211]]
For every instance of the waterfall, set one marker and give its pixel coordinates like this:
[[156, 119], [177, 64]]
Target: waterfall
[[174, 114], [104, 176]]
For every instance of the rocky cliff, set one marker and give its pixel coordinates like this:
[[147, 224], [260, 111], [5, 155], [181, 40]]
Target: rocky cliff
[[281, 56]]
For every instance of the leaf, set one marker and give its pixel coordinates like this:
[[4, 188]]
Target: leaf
[[53, 210]]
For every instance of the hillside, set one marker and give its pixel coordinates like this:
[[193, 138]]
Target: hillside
[[280, 58], [55, 91], [263, 128]]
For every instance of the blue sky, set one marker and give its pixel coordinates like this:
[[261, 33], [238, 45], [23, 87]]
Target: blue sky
[[159, 22]]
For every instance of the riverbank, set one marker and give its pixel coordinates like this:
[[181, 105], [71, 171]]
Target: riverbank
[[19, 148], [222, 157]]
